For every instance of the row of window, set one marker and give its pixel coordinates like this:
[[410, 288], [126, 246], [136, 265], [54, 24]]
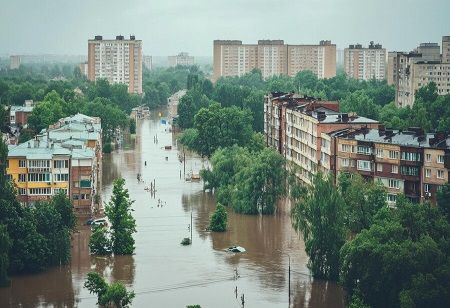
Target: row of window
[[43, 164], [42, 191]]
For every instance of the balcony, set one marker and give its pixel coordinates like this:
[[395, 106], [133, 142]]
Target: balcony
[[85, 184]]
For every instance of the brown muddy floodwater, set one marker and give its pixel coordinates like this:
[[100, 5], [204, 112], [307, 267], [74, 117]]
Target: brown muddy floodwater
[[163, 273]]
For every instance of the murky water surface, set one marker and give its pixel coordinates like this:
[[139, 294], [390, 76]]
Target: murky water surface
[[162, 272]]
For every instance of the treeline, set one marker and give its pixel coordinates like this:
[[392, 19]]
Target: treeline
[[247, 92], [383, 256], [160, 83], [31, 238]]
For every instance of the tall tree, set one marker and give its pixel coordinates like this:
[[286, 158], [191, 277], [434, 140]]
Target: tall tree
[[123, 225], [319, 216]]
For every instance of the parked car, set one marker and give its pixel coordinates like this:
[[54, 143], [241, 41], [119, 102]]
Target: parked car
[[236, 249], [99, 222]]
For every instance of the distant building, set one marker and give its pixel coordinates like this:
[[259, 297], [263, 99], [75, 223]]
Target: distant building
[[182, 59], [19, 114], [84, 68], [273, 57], [365, 63], [118, 61], [14, 62], [172, 102], [148, 62], [416, 69]]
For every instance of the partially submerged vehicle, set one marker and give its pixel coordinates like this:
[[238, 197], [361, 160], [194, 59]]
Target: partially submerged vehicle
[[236, 249]]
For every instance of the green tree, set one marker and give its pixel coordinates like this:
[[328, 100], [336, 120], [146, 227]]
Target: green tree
[[218, 220], [443, 200], [362, 200], [113, 295], [360, 103], [260, 184], [319, 216], [99, 243], [64, 207], [5, 245], [404, 251], [123, 225]]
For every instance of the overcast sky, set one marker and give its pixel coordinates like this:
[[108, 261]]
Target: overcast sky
[[170, 26]]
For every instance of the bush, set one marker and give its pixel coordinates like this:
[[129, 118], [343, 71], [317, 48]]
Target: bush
[[218, 220], [99, 243], [186, 241]]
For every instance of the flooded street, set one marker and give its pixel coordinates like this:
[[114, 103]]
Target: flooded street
[[164, 273]]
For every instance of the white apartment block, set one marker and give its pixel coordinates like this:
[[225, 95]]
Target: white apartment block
[[118, 61], [272, 58], [365, 63], [183, 59]]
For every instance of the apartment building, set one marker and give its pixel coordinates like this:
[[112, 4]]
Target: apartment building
[[411, 162], [148, 62], [416, 69], [183, 59], [295, 126], [65, 157], [84, 68], [118, 61], [14, 62], [19, 114], [365, 63], [273, 57]]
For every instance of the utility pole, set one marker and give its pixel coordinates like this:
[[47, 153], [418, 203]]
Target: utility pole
[[191, 227], [289, 278]]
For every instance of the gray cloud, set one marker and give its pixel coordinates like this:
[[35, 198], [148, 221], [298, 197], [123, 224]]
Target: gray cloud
[[170, 26]]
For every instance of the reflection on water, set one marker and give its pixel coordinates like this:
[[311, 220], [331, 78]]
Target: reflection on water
[[164, 273]]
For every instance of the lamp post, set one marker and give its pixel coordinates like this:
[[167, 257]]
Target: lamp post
[[289, 275]]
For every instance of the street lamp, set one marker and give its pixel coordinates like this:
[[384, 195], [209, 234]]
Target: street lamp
[[289, 275]]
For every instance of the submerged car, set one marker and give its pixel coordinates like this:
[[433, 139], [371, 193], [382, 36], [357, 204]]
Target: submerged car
[[99, 222], [236, 249]]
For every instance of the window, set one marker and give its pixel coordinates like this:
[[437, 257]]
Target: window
[[364, 165], [85, 197], [440, 159], [391, 198], [394, 169], [409, 170], [380, 167], [22, 178], [428, 157], [40, 191], [75, 196], [394, 183], [22, 163], [427, 173], [410, 156], [440, 174], [22, 191], [380, 153], [58, 190], [63, 177], [39, 177], [61, 164], [393, 154], [346, 148], [344, 162], [38, 164], [426, 187], [364, 150]]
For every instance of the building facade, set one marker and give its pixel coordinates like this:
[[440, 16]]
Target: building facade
[[183, 59], [418, 68], [148, 62], [410, 163], [118, 61], [66, 157], [365, 63], [273, 57], [295, 125], [14, 62]]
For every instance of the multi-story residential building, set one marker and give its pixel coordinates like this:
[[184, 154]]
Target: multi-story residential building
[[84, 68], [148, 62], [172, 102], [118, 61], [183, 59], [14, 62], [273, 57], [19, 114], [295, 126], [420, 67], [65, 157], [411, 163], [365, 63], [392, 68]]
